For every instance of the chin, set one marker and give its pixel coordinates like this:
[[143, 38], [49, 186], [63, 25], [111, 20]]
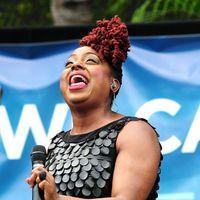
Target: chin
[[77, 99]]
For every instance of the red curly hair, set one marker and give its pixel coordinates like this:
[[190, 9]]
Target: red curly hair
[[110, 40]]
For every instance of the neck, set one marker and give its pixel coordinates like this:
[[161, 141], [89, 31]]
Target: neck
[[88, 120]]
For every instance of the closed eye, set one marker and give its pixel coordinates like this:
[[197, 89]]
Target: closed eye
[[91, 61], [68, 64]]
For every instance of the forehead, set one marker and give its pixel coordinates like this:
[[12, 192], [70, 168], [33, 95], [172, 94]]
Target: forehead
[[83, 51]]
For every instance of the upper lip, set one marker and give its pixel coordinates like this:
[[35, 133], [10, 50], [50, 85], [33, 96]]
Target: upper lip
[[77, 73]]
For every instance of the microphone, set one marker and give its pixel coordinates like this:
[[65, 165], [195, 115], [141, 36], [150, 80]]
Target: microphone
[[38, 158]]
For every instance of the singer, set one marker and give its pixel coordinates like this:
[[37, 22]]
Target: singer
[[105, 155]]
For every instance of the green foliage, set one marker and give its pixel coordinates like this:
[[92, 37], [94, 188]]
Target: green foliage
[[14, 13], [166, 10], [110, 8], [24, 13], [147, 10]]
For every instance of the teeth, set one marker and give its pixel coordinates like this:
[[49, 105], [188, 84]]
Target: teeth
[[77, 78]]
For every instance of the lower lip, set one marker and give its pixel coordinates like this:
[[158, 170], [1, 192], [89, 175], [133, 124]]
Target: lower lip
[[77, 86]]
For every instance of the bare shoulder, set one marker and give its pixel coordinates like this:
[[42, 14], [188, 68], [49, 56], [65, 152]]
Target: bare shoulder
[[137, 134]]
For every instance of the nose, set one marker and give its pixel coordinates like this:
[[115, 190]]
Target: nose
[[77, 67]]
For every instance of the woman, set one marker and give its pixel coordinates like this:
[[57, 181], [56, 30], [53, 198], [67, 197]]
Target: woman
[[105, 155]]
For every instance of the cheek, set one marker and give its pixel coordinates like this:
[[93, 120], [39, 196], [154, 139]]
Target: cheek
[[102, 79], [63, 80], [97, 74], [101, 74]]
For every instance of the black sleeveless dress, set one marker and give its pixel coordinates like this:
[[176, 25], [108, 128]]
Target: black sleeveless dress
[[83, 165]]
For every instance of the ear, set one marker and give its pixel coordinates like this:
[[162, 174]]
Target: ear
[[115, 85]]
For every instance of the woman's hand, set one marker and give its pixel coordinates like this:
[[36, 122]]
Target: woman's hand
[[47, 185]]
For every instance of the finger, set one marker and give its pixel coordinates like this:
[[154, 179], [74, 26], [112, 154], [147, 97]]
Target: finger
[[28, 181], [39, 168], [49, 189], [37, 180], [41, 176], [31, 179], [42, 185], [34, 174]]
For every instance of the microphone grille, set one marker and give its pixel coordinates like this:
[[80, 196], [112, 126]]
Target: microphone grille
[[38, 153]]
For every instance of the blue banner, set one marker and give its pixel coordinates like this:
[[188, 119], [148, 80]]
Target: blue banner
[[160, 83]]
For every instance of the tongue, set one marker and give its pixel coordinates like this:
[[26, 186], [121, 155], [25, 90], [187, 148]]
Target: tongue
[[77, 86]]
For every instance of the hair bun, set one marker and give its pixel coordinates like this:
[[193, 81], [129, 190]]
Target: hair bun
[[110, 40]]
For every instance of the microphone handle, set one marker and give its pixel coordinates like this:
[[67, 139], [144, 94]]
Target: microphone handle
[[37, 193]]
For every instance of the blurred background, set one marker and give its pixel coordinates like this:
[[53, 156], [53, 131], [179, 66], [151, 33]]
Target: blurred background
[[21, 13], [160, 82]]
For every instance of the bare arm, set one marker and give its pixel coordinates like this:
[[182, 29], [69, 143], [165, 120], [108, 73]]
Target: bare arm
[[137, 161], [135, 168]]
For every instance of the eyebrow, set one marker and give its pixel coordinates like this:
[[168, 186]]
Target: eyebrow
[[91, 53], [72, 55]]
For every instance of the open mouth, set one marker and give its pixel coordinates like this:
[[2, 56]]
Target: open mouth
[[77, 81]]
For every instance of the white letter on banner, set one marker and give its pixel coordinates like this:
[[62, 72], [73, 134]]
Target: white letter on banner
[[193, 136], [161, 105], [29, 120]]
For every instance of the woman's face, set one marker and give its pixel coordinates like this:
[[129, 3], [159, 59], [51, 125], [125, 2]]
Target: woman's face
[[86, 78]]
